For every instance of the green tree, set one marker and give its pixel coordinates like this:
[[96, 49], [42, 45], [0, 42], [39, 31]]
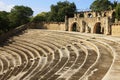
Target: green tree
[[117, 11], [101, 5], [59, 11], [20, 15], [43, 16], [114, 4], [4, 21]]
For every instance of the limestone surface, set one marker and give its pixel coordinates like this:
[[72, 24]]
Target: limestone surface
[[60, 55]]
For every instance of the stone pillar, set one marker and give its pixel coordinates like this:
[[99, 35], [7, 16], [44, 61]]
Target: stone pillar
[[66, 23], [87, 29], [107, 30], [85, 15], [94, 14], [75, 15], [78, 15], [81, 27], [98, 19]]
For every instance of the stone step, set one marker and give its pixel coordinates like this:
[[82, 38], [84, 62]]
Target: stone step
[[5, 62], [30, 47], [81, 37], [1, 67], [34, 65], [41, 45], [41, 66], [10, 59], [102, 65], [17, 57], [49, 59], [25, 51], [114, 69], [71, 60], [19, 52], [23, 56], [60, 55], [50, 62], [58, 66], [50, 67]]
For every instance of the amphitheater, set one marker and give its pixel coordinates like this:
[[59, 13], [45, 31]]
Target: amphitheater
[[37, 54]]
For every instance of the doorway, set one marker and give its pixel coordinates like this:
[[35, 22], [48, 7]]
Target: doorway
[[97, 28]]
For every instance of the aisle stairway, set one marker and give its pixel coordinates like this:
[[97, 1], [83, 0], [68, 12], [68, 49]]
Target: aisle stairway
[[59, 55]]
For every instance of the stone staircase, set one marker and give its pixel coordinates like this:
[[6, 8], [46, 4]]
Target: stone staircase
[[59, 55]]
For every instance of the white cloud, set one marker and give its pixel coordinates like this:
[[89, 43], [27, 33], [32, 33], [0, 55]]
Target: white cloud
[[5, 7]]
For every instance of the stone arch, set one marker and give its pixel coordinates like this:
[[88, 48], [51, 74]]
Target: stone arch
[[81, 15], [75, 27], [99, 14], [97, 28], [105, 14], [90, 15]]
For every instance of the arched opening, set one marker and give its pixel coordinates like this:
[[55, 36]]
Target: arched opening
[[75, 27], [90, 15], [99, 14], [81, 15], [97, 28], [104, 14]]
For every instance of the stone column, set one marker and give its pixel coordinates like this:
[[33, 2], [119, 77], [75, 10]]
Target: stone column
[[66, 23], [107, 26], [81, 27], [87, 29]]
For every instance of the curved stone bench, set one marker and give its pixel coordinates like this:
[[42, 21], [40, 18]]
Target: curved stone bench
[[114, 69], [1, 67], [23, 58], [18, 60], [50, 67], [60, 55], [11, 61], [50, 57], [102, 55], [50, 63], [34, 61], [71, 60], [42, 47], [25, 51], [6, 65], [10, 58]]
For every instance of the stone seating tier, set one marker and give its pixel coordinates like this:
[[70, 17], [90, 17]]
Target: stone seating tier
[[60, 55]]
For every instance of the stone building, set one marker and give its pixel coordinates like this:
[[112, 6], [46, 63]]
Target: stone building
[[91, 22], [85, 22]]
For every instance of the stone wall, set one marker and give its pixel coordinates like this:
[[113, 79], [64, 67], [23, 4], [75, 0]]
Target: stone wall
[[115, 29], [85, 23], [48, 25], [91, 22]]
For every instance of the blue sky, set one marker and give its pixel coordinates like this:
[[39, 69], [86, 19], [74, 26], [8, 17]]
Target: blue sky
[[41, 5]]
